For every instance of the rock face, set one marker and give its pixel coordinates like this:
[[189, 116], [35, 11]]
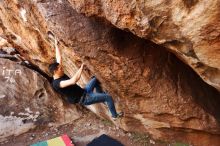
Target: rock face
[[159, 94], [188, 28], [24, 31], [27, 101]]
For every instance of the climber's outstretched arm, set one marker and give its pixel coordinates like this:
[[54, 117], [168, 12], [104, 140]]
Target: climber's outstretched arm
[[58, 52]]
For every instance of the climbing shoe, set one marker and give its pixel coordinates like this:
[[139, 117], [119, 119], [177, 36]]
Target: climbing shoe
[[119, 115]]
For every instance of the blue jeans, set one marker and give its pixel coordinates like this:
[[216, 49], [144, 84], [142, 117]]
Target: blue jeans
[[99, 96]]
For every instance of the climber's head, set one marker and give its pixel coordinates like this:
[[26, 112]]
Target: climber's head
[[56, 69]]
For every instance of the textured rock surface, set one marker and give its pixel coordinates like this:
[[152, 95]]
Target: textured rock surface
[[158, 93], [189, 28], [27, 101], [25, 31]]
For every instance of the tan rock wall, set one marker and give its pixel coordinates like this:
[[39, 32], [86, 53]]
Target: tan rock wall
[[188, 28], [159, 94], [27, 101]]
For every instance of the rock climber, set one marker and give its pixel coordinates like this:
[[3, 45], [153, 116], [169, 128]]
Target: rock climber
[[75, 94]]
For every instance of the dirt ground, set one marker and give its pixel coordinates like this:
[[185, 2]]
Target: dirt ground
[[83, 131]]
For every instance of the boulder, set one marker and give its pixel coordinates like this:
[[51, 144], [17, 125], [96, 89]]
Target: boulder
[[27, 101], [188, 28], [158, 93]]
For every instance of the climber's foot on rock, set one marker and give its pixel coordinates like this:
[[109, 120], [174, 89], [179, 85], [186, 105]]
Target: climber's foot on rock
[[119, 115], [93, 77]]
